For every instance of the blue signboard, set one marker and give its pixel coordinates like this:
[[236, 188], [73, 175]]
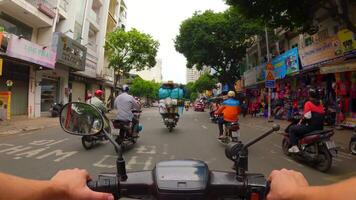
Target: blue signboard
[[270, 84], [286, 63]]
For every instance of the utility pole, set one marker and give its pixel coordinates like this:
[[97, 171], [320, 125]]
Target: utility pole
[[269, 89]]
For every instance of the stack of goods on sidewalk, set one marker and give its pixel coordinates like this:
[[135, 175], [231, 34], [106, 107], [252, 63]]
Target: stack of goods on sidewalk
[[171, 98]]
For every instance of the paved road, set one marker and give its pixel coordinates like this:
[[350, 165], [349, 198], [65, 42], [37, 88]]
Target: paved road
[[40, 154]]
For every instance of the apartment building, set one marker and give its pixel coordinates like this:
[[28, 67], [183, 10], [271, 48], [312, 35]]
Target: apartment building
[[51, 51], [193, 74], [153, 74]]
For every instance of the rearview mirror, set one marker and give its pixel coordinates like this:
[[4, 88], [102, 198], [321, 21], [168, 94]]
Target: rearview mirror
[[81, 119]]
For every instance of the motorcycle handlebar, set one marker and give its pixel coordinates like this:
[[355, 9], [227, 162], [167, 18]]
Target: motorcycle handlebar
[[221, 184]]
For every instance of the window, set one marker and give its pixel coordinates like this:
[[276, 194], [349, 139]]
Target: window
[[14, 26]]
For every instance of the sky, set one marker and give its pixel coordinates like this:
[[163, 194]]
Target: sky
[[161, 19]]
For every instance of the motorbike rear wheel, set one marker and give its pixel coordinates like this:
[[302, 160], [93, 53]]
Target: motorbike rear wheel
[[285, 146], [325, 160], [88, 142], [170, 128], [352, 147]]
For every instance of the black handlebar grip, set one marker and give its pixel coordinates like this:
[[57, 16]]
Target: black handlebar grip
[[105, 184]]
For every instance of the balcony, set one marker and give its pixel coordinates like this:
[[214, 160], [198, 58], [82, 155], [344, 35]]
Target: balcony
[[63, 9], [37, 13], [95, 19]]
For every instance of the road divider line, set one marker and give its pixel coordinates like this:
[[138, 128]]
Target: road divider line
[[204, 127]]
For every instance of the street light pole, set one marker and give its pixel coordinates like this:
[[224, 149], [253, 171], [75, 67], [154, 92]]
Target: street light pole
[[269, 89]]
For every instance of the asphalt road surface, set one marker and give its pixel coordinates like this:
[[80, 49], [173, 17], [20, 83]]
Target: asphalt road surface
[[40, 154]]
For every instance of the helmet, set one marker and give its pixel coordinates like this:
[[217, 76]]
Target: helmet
[[313, 93], [99, 93], [231, 94], [125, 88]]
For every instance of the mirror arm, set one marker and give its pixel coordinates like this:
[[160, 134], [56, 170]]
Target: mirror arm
[[120, 162]]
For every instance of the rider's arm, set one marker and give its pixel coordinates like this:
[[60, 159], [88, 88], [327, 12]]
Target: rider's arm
[[135, 104], [292, 185], [341, 190], [65, 185]]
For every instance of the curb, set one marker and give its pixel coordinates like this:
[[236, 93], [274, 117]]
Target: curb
[[25, 130]]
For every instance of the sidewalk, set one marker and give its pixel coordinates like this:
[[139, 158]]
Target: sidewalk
[[341, 137], [22, 124]]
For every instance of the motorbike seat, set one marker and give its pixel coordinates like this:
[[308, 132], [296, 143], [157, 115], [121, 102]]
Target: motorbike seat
[[319, 132], [316, 135], [119, 124]]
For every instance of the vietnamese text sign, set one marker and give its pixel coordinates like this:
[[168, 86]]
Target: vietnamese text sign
[[250, 77], [261, 73], [286, 63], [26, 50]]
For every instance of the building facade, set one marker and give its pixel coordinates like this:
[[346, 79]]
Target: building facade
[[51, 52], [153, 74], [193, 74]]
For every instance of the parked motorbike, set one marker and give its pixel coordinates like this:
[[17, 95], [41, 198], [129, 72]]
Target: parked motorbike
[[127, 132], [316, 148], [55, 109], [174, 179]]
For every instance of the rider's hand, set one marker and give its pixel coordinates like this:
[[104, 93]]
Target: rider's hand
[[285, 184], [74, 183]]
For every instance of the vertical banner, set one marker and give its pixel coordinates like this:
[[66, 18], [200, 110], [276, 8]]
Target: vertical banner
[[1, 63], [5, 105]]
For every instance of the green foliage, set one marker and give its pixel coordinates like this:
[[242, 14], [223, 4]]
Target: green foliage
[[217, 40], [131, 50], [193, 96], [205, 82], [2, 29], [142, 88], [189, 88], [294, 15]]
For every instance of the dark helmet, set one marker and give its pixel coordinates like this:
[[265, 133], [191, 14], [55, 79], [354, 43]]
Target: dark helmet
[[314, 93]]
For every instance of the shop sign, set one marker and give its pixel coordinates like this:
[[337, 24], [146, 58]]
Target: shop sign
[[25, 50], [348, 41], [261, 73], [5, 105], [343, 67], [286, 63], [69, 52], [321, 52], [250, 77]]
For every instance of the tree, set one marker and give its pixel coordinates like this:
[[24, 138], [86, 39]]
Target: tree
[[217, 40], [146, 89], [295, 15], [189, 89], [205, 82], [130, 50]]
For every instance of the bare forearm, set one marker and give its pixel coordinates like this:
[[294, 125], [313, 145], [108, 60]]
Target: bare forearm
[[343, 190], [20, 189]]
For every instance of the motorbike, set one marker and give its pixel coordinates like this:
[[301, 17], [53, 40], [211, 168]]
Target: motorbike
[[231, 131], [316, 148], [55, 109], [174, 179], [123, 129], [170, 120], [89, 141]]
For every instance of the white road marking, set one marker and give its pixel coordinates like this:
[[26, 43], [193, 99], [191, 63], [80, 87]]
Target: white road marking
[[165, 149], [101, 164], [58, 152], [195, 119], [344, 155], [143, 149], [148, 163], [204, 127]]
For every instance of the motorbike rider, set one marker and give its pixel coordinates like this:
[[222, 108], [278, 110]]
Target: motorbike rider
[[125, 104], [312, 120], [230, 109], [97, 102]]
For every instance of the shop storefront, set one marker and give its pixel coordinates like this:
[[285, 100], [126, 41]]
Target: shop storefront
[[22, 61], [71, 57]]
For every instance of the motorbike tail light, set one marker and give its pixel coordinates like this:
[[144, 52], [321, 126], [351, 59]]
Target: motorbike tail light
[[255, 196]]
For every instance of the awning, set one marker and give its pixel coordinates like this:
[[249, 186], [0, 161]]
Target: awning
[[338, 67]]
